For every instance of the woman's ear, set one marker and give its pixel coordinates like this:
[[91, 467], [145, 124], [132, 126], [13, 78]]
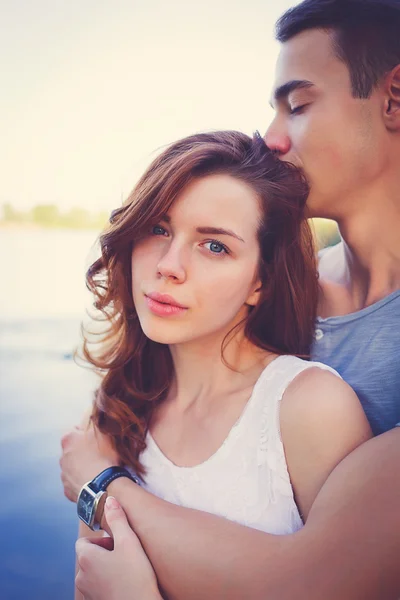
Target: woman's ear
[[392, 102], [254, 297]]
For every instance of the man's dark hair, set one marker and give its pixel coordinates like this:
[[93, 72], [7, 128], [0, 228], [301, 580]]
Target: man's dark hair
[[366, 35]]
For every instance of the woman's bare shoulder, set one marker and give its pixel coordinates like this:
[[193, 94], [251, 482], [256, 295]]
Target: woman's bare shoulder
[[321, 422]]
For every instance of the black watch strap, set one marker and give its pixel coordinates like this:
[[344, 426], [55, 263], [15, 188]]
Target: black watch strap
[[103, 479]]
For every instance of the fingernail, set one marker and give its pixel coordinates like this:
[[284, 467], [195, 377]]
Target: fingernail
[[111, 503]]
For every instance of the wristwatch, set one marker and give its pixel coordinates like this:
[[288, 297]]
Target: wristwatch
[[93, 495]]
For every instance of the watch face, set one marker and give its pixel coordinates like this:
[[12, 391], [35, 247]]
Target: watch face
[[85, 506]]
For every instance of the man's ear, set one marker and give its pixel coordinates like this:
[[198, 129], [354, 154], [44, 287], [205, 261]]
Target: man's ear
[[392, 103]]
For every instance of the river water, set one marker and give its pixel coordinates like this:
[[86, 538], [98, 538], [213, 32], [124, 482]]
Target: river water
[[42, 393]]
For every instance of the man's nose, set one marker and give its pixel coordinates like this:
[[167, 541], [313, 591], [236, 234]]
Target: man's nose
[[171, 264], [277, 140]]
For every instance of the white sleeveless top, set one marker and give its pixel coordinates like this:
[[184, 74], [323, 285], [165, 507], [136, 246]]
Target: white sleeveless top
[[246, 480]]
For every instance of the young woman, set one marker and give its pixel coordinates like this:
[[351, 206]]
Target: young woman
[[207, 283]]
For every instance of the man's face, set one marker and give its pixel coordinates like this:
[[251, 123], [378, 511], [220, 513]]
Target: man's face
[[337, 140]]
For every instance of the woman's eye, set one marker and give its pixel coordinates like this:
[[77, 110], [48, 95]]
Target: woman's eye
[[216, 247], [158, 230]]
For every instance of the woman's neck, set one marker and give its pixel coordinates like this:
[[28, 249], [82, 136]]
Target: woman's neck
[[202, 372]]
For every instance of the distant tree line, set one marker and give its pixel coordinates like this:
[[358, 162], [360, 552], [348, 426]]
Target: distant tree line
[[49, 215], [326, 232]]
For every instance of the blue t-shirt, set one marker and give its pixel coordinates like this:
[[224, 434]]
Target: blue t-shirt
[[364, 347]]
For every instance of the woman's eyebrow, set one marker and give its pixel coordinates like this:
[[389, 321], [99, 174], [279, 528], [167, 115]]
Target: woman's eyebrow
[[219, 231], [210, 230]]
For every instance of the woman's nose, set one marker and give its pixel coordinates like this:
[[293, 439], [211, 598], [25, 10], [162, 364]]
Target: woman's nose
[[171, 265]]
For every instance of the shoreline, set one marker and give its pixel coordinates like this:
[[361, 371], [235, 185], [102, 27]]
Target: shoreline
[[26, 226]]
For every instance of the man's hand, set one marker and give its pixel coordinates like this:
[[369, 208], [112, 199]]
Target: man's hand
[[86, 452], [115, 568]]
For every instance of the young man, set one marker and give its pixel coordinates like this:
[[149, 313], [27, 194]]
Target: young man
[[337, 102]]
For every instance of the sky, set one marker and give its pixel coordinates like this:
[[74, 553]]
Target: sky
[[93, 89]]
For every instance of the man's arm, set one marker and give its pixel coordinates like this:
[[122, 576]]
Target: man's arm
[[349, 547]]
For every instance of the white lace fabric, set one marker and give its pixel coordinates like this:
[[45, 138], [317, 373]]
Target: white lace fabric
[[246, 480]]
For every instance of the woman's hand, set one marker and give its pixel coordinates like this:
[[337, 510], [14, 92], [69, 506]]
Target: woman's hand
[[86, 452], [115, 568]]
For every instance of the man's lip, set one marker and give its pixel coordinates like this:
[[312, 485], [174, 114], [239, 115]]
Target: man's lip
[[164, 299]]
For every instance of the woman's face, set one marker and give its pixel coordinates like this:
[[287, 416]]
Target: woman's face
[[195, 274]]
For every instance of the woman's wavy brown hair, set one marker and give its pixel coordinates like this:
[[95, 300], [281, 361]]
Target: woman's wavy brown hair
[[136, 371]]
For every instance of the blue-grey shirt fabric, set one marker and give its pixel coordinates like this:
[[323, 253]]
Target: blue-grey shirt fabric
[[364, 347]]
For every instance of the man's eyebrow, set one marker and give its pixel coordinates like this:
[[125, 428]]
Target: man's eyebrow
[[218, 231], [284, 90]]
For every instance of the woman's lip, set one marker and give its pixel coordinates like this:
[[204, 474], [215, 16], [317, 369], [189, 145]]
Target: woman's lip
[[164, 299], [164, 310]]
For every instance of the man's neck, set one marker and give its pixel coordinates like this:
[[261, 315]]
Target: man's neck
[[365, 267]]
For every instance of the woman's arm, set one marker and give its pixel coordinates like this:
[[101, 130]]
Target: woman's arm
[[84, 531], [321, 422], [115, 567]]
